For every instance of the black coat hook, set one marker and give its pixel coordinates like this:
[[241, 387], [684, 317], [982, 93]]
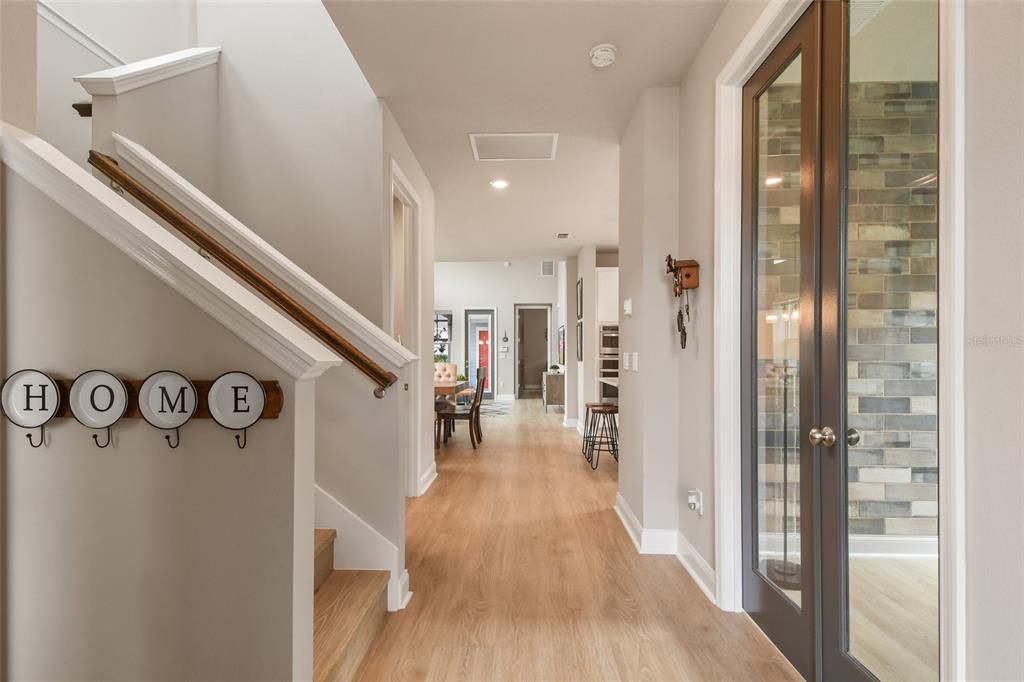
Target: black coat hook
[[96, 439], [42, 438], [242, 440], [177, 439]]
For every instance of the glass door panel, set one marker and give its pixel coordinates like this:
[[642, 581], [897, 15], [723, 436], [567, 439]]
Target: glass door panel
[[780, 228], [480, 348], [888, 464], [777, 332]]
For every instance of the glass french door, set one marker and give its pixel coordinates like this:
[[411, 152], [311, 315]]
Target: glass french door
[[480, 348], [840, 342]]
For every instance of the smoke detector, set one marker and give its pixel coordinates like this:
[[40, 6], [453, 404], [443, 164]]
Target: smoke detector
[[603, 55]]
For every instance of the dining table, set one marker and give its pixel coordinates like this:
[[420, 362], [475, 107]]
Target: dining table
[[449, 387]]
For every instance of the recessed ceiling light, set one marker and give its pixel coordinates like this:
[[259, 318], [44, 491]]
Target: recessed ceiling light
[[499, 183], [562, 235], [603, 55], [771, 182]]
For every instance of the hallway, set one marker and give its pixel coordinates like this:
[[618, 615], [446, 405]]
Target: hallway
[[521, 570]]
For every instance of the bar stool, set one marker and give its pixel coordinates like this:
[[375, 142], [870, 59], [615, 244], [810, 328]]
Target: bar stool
[[586, 426], [604, 433]]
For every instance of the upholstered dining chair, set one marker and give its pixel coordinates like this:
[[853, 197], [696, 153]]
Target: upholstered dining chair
[[446, 372]]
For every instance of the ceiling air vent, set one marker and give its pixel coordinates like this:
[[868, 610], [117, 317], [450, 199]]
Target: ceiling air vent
[[547, 268], [562, 235], [514, 146]]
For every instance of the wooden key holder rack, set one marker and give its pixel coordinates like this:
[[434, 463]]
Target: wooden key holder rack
[[685, 274]]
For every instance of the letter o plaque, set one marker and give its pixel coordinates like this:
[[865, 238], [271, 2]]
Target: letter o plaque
[[236, 400], [98, 399], [167, 400]]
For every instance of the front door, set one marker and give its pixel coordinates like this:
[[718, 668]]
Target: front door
[[480, 349], [840, 343]]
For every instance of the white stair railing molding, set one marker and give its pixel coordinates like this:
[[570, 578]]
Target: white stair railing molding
[[121, 79], [282, 341], [244, 241]]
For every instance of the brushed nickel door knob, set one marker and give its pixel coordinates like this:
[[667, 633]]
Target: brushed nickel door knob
[[824, 436]]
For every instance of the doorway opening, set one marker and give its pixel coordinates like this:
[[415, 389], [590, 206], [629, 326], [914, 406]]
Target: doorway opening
[[401, 276], [480, 350], [532, 349]]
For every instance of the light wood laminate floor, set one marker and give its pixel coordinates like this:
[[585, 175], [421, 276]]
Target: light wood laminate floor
[[521, 570]]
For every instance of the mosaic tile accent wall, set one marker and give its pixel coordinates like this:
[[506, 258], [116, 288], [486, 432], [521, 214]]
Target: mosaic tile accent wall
[[893, 351], [893, 343]]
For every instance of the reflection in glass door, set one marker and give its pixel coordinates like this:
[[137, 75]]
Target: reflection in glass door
[[480, 348], [780, 226]]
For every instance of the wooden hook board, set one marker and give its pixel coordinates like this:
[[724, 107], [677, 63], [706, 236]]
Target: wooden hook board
[[272, 410], [685, 274]]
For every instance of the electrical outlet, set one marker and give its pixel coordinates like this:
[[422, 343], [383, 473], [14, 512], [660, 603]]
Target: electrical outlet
[[695, 501]]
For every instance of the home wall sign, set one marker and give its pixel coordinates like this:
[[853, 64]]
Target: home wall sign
[[31, 399], [98, 401], [167, 400], [236, 401]]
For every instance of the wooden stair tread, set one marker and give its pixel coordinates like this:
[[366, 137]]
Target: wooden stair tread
[[322, 537], [348, 612]]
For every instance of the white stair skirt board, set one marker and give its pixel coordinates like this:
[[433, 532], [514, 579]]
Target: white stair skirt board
[[427, 478], [51, 16], [360, 547], [908, 546], [646, 540]]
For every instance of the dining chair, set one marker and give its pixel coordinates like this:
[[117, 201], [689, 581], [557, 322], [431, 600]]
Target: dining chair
[[445, 372], [469, 413]]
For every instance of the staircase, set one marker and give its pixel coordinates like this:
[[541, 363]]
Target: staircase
[[349, 611]]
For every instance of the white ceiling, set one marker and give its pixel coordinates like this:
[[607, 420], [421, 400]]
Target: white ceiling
[[447, 69]]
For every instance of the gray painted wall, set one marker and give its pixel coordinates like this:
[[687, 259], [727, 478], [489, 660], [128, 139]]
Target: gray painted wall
[[995, 370], [137, 561], [649, 214]]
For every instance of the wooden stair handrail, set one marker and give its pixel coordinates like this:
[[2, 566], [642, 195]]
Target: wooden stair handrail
[[293, 308]]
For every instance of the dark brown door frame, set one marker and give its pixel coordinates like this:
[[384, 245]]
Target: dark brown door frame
[[793, 630]]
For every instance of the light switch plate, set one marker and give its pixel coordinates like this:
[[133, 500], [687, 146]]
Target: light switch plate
[[636, 361], [627, 307], [625, 361]]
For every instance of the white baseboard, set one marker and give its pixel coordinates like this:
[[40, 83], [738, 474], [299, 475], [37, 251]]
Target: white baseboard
[[629, 520], [579, 427], [427, 478], [398, 592], [570, 423], [360, 546], [505, 396], [868, 545], [646, 540], [696, 566]]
